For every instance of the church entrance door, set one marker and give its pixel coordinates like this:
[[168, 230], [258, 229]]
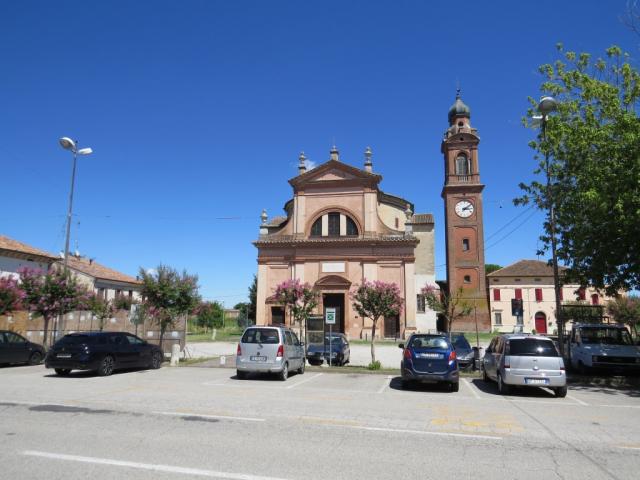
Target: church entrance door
[[335, 300]]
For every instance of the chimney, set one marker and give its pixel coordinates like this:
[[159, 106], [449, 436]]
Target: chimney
[[334, 154], [302, 166], [368, 166]]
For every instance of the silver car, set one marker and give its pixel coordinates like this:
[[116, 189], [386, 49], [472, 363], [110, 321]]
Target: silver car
[[269, 350], [524, 360]]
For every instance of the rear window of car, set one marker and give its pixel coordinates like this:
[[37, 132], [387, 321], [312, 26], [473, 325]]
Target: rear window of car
[[531, 347], [428, 342], [261, 335], [77, 340]]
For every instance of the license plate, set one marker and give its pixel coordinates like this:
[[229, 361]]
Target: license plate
[[536, 381], [64, 355], [429, 355], [258, 358]]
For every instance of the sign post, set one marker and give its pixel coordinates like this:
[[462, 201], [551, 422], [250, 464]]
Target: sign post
[[330, 319]]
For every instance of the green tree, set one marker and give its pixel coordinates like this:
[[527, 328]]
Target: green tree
[[376, 300], [491, 267], [626, 310], [49, 294], [209, 315], [298, 298], [451, 306], [10, 295], [593, 145], [253, 299], [168, 295], [101, 308]]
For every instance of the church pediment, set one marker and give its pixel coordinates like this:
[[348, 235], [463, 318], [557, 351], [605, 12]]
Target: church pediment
[[335, 171], [333, 281]]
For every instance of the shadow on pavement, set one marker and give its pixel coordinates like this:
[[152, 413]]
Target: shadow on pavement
[[491, 388], [614, 385], [396, 384], [78, 374]]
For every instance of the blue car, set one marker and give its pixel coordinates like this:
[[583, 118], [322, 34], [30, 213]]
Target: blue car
[[429, 359], [338, 350]]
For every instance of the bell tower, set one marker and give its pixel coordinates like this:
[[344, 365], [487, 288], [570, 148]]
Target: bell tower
[[462, 195]]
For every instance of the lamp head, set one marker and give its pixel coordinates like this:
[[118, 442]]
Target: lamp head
[[547, 105], [67, 143], [85, 151]]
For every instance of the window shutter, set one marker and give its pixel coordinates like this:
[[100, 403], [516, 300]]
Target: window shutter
[[496, 294], [518, 294]]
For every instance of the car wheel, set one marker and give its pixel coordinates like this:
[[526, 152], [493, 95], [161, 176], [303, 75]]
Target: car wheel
[[35, 358], [503, 388], [106, 366], [454, 386], [241, 375], [63, 372], [156, 360], [284, 374], [561, 392], [301, 369]]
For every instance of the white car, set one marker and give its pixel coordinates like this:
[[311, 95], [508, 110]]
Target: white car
[[601, 345]]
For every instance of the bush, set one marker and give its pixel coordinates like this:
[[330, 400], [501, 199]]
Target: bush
[[123, 302], [374, 365], [533, 331]]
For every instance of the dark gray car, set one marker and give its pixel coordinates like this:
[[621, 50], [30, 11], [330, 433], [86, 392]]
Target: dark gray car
[[15, 348]]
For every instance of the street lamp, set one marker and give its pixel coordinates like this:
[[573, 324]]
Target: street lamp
[[72, 146], [545, 107]]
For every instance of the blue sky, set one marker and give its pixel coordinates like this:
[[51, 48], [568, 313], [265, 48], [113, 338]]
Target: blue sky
[[197, 111]]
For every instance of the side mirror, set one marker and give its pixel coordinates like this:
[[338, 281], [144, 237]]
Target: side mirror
[[401, 345]]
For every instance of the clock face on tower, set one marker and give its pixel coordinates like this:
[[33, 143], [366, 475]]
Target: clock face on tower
[[464, 208]]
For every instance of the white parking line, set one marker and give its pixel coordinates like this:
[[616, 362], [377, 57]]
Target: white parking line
[[303, 381], [147, 466], [571, 397], [217, 417], [386, 384], [630, 448], [470, 387], [423, 432]]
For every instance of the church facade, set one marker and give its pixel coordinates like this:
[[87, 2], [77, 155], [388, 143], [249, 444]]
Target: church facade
[[340, 228]]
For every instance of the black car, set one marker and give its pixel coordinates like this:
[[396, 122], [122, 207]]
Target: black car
[[464, 353], [15, 348], [337, 349], [103, 352]]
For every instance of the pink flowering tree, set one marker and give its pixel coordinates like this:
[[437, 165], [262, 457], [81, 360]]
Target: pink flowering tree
[[450, 305], [298, 298], [50, 294], [11, 295], [376, 300], [101, 308], [168, 295]]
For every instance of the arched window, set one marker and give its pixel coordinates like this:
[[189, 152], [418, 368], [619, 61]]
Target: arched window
[[316, 228], [334, 225], [462, 165], [352, 228]]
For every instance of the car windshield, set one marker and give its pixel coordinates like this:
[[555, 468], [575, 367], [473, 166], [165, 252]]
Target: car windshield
[[76, 340], [460, 342], [428, 342], [533, 347], [606, 335], [334, 339], [260, 335]]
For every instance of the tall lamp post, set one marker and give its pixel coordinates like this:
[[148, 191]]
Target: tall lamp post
[[72, 146], [68, 144], [545, 107]]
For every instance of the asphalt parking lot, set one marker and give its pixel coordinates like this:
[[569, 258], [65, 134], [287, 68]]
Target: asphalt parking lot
[[194, 422]]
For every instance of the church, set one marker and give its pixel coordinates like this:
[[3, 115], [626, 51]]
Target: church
[[341, 228]]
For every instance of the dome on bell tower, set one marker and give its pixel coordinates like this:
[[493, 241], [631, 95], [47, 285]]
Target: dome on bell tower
[[458, 108]]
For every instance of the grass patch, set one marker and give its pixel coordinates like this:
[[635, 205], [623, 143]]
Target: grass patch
[[226, 334]]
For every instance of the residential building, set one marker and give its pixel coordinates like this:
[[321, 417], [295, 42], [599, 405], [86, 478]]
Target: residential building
[[15, 255], [340, 228], [103, 281], [532, 281]]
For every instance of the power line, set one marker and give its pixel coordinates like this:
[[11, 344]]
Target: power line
[[508, 234]]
